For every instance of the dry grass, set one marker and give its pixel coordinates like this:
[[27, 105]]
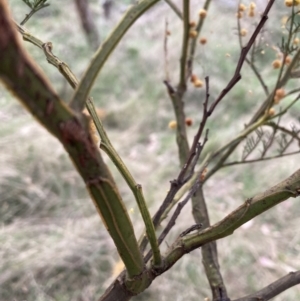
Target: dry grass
[[53, 245]]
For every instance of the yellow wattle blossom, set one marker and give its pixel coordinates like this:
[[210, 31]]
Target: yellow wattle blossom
[[198, 83], [271, 112], [279, 94], [243, 32], [172, 125], [276, 64], [202, 13], [290, 3], [242, 7], [193, 33]]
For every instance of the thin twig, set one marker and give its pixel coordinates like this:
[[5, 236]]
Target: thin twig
[[166, 61], [195, 40], [275, 288], [251, 61], [259, 159], [184, 50], [237, 76], [174, 8], [38, 6], [268, 143], [292, 133], [283, 111], [292, 92], [282, 80]]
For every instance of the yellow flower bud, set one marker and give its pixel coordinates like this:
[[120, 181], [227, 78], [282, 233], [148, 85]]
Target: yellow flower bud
[[172, 125], [276, 64], [198, 83], [193, 34], [243, 32], [202, 13]]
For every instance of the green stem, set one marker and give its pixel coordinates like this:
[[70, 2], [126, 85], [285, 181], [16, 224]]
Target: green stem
[[105, 142], [33, 11], [101, 56], [136, 189], [22, 76], [251, 208]]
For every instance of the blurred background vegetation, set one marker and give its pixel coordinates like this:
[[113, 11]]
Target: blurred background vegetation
[[53, 245]]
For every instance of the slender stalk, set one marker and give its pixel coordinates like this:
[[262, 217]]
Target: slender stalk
[[275, 288], [174, 8], [260, 159], [135, 188], [195, 40], [107, 47], [251, 208], [185, 41], [38, 6]]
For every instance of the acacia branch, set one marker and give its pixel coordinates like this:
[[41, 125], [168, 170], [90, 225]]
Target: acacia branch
[[21, 75], [252, 207], [105, 143], [101, 56], [275, 288], [237, 76]]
